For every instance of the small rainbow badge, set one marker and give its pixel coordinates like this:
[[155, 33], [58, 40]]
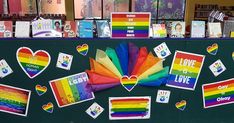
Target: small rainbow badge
[[40, 89], [218, 93], [83, 49], [49, 107], [121, 108], [181, 105], [213, 49]]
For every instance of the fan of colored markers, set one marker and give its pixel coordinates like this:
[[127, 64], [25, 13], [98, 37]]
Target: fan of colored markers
[[127, 65]]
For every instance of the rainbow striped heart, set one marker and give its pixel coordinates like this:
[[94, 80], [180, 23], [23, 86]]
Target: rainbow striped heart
[[40, 89], [49, 107], [32, 64], [129, 82], [213, 49], [181, 105], [83, 49]]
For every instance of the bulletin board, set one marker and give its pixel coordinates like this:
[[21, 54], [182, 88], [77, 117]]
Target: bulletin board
[[160, 113]]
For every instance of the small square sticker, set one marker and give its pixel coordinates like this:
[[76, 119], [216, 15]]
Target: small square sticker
[[5, 69], [94, 110], [163, 96], [64, 61], [217, 67], [162, 51]]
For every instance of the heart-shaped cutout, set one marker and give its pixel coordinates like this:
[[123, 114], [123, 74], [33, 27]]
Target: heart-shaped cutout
[[213, 49], [49, 107], [83, 49], [40, 89], [129, 82], [181, 105], [32, 64]]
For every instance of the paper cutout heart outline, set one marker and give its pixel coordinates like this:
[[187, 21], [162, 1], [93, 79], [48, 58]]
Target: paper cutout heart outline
[[49, 107], [83, 49], [213, 49], [32, 54], [181, 105], [132, 80], [40, 89]]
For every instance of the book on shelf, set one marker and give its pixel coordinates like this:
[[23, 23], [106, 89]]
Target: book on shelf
[[232, 34], [114, 6], [6, 29], [103, 28], [159, 31], [145, 6], [22, 29], [214, 30], [198, 29], [228, 28], [69, 29], [86, 29], [177, 29]]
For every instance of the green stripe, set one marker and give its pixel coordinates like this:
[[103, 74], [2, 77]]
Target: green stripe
[[176, 72], [219, 95], [156, 76], [126, 27], [73, 88], [128, 109], [24, 65], [129, 84]]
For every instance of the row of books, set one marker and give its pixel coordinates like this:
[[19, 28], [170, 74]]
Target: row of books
[[102, 29]]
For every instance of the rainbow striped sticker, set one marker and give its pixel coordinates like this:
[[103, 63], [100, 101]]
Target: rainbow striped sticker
[[130, 24], [14, 100], [49, 107], [121, 108], [32, 64], [185, 70], [71, 89], [218, 93], [129, 82]]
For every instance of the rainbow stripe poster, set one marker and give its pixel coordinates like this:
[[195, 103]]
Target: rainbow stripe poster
[[218, 93], [185, 70], [14, 100], [130, 24], [121, 108], [71, 89]]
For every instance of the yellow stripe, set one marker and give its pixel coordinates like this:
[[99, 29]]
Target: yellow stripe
[[190, 69], [218, 91], [130, 23], [26, 60], [67, 90], [130, 106]]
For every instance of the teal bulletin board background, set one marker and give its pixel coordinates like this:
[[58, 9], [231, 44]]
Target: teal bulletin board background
[[160, 113]]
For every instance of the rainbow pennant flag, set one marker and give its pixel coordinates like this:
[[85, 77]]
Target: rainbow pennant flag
[[130, 24], [185, 70], [218, 93], [121, 108], [71, 89], [14, 100]]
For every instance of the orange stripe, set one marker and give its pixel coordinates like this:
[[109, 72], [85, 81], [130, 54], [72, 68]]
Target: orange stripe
[[62, 94], [197, 64]]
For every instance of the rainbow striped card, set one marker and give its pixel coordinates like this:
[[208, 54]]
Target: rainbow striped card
[[218, 93], [71, 89], [14, 100], [121, 108], [130, 24], [185, 70]]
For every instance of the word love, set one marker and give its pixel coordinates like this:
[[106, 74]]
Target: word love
[[187, 62]]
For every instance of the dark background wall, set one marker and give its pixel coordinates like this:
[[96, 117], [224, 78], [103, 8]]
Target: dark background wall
[[160, 113]]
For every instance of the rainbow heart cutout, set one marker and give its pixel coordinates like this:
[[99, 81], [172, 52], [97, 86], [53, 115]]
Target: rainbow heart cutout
[[49, 107], [129, 82], [83, 49], [32, 64], [181, 105], [213, 49], [40, 89]]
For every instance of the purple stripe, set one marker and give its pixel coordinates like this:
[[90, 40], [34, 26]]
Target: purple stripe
[[214, 101], [171, 81], [125, 35]]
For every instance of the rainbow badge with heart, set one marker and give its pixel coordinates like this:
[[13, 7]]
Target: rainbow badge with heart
[[32, 63]]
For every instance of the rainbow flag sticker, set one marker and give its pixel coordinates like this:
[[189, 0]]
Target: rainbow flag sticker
[[185, 70], [130, 24], [218, 93], [121, 108], [71, 89], [14, 100]]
